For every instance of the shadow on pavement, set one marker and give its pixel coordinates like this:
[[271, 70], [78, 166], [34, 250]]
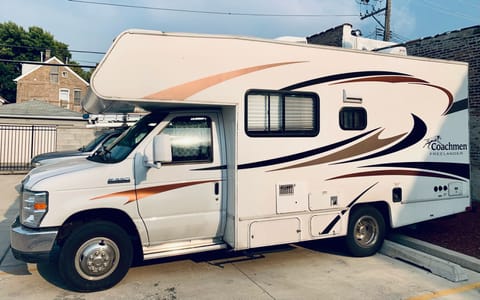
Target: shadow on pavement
[[49, 272], [331, 246], [221, 257]]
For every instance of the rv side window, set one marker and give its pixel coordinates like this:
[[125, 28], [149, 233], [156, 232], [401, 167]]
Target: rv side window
[[353, 118], [191, 139], [278, 113]]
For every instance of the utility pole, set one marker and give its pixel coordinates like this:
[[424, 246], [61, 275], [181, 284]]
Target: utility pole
[[388, 11]]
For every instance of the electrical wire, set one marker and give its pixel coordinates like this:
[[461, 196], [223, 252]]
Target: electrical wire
[[14, 61], [42, 49], [400, 37], [212, 12], [441, 9]]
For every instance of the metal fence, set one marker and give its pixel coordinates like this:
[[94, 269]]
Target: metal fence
[[20, 143]]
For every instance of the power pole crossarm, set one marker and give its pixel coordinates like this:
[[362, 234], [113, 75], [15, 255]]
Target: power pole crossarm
[[388, 11], [372, 13]]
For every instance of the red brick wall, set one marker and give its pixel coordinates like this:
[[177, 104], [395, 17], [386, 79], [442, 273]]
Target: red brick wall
[[332, 37], [37, 85]]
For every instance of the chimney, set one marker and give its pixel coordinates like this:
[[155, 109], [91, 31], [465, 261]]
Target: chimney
[[48, 53]]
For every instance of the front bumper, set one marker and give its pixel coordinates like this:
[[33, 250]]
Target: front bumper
[[32, 245]]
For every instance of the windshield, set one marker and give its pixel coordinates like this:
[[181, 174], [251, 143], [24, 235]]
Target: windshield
[[128, 140], [91, 146]]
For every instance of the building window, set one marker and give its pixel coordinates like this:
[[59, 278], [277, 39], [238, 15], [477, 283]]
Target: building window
[[64, 97], [191, 139], [279, 113], [353, 118], [53, 74], [77, 96], [64, 74]]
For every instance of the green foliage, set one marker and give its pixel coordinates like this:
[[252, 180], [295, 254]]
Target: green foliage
[[84, 74], [18, 44]]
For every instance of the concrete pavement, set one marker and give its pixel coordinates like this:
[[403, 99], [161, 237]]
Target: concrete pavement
[[9, 207]]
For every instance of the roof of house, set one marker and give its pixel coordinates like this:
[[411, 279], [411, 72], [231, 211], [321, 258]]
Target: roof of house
[[52, 60], [36, 109]]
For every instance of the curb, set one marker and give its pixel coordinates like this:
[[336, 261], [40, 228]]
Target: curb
[[435, 265], [460, 259]]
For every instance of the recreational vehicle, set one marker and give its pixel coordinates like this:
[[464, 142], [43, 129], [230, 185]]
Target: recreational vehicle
[[249, 143]]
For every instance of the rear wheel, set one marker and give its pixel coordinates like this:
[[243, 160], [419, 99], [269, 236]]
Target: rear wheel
[[96, 256], [366, 231]]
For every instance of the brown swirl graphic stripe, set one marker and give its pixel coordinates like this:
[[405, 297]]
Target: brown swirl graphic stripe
[[133, 195], [394, 172], [185, 90], [370, 144]]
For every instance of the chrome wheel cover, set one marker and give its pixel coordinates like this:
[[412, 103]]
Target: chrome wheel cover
[[366, 231], [97, 258]]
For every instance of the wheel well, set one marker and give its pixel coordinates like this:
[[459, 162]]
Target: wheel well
[[382, 207], [104, 214]]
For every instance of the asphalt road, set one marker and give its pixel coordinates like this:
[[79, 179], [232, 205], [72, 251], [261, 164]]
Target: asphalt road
[[313, 270]]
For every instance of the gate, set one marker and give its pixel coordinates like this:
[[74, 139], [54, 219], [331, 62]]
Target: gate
[[20, 143]]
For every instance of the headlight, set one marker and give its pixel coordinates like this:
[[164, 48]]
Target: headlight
[[33, 207]]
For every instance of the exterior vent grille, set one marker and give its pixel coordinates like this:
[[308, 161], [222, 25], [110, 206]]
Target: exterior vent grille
[[286, 190]]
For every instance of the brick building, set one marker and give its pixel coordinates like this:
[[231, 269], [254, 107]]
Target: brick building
[[54, 84]]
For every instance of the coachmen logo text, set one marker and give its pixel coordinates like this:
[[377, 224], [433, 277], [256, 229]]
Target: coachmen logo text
[[437, 147]]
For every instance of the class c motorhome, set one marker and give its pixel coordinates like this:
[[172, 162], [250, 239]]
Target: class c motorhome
[[249, 143]]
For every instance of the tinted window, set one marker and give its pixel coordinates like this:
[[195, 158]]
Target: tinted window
[[353, 118], [278, 113]]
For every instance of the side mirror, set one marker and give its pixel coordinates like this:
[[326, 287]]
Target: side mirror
[[160, 151], [162, 148]]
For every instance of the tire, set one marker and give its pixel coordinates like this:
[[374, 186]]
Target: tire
[[95, 256], [366, 231]]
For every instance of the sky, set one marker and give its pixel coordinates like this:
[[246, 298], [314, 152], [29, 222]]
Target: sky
[[91, 25]]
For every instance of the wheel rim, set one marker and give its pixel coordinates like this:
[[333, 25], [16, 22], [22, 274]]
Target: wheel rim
[[97, 258], [366, 231]]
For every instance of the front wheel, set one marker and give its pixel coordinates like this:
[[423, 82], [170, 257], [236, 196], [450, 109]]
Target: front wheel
[[96, 256], [366, 231]]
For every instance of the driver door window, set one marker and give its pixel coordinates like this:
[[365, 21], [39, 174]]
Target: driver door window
[[191, 139]]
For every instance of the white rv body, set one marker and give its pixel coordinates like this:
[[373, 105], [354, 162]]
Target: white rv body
[[338, 130]]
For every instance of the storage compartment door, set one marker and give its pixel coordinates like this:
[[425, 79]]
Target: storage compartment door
[[273, 232], [326, 224]]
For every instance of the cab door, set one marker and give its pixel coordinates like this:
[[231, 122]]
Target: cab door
[[182, 200]]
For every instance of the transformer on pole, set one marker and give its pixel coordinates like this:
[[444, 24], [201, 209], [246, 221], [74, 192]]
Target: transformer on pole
[[387, 9]]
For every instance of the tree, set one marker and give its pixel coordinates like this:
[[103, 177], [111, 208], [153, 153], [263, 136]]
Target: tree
[[18, 44]]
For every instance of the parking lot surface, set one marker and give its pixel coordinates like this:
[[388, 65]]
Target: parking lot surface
[[312, 270]]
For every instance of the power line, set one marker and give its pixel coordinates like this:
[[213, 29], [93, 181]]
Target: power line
[[400, 37], [13, 61], [86, 61], [89, 52], [443, 10], [41, 49], [212, 12]]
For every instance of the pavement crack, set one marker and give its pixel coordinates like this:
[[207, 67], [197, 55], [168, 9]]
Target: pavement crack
[[253, 281]]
